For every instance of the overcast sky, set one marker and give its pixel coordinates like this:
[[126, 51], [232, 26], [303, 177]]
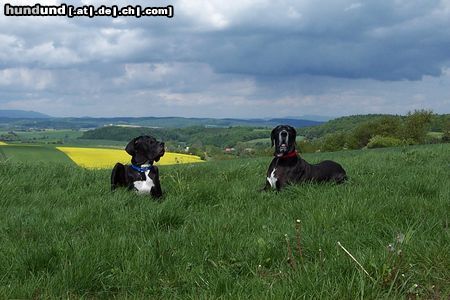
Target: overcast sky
[[216, 58]]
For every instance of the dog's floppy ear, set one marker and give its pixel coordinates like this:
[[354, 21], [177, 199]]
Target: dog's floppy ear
[[131, 147], [272, 135], [294, 132]]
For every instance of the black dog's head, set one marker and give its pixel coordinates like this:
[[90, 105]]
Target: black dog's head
[[145, 150], [283, 137]]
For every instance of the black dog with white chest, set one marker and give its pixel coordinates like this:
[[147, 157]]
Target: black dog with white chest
[[141, 176], [288, 167]]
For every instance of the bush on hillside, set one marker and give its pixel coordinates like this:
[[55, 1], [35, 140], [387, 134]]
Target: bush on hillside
[[432, 139], [416, 125], [307, 146], [446, 130], [360, 136], [334, 142], [446, 137], [380, 141], [384, 126]]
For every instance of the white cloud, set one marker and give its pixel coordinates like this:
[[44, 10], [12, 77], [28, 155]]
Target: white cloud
[[210, 15], [353, 6], [25, 79]]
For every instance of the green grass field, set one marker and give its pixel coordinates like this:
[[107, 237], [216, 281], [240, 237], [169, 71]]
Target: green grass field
[[64, 235], [44, 136], [32, 153], [64, 136]]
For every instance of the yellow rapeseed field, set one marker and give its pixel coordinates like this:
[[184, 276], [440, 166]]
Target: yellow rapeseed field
[[3, 143], [98, 158]]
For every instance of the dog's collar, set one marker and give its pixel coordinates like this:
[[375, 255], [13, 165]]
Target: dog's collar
[[289, 155], [142, 168]]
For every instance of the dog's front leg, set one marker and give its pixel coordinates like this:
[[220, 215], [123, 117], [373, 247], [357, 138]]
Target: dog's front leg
[[156, 191], [278, 185], [266, 187], [118, 176]]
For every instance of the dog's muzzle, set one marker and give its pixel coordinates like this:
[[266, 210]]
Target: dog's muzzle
[[282, 149], [284, 139]]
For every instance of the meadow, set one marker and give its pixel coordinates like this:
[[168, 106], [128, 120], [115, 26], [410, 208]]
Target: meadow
[[45, 136], [32, 153], [214, 235]]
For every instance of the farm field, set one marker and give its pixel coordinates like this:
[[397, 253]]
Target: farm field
[[47, 135], [70, 138], [214, 235], [32, 153], [93, 158]]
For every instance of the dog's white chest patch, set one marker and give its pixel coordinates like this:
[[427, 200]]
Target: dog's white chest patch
[[272, 179], [144, 186]]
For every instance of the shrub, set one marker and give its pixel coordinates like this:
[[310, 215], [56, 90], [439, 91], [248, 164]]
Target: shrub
[[360, 136], [431, 138], [416, 125], [379, 141], [384, 126], [446, 137], [334, 142], [446, 129], [307, 146]]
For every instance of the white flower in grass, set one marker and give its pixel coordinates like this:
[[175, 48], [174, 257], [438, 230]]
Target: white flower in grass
[[391, 248]]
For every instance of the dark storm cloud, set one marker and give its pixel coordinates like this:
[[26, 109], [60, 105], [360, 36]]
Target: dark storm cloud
[[376, 40]]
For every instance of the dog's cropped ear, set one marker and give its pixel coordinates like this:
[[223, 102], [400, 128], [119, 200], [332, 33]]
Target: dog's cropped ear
[[131, 147]]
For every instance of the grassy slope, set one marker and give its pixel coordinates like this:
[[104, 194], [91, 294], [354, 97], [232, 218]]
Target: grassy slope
[[64, 234], [32, 153], [47, 136]]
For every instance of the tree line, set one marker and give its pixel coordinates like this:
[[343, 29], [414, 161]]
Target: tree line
[[379, 131]]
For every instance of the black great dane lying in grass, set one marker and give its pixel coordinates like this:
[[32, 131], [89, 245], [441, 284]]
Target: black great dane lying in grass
[[288, 167], [141, 175]]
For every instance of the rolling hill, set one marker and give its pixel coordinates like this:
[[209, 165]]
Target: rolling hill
[[22, 114], [40, 122]]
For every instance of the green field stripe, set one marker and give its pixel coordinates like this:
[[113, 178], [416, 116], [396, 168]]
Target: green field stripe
[[3, 156], [32, 153]]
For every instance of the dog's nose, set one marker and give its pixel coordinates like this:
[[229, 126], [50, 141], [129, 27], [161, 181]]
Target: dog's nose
[[162, 144]]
